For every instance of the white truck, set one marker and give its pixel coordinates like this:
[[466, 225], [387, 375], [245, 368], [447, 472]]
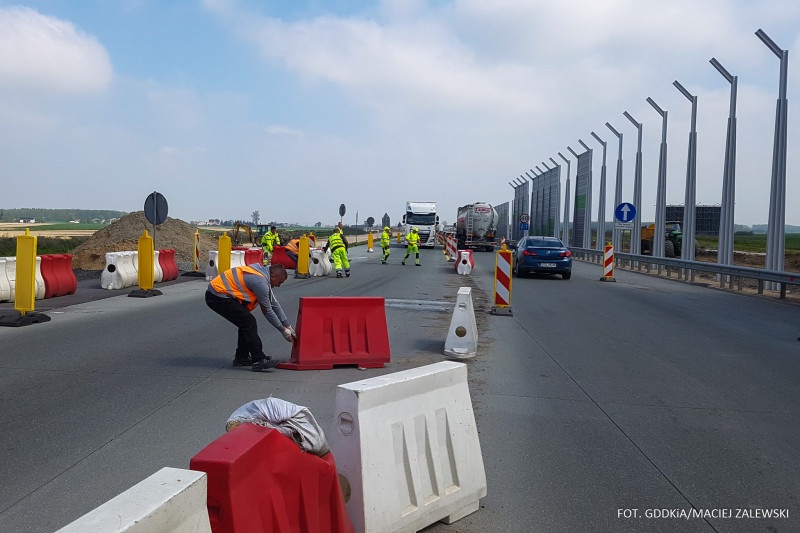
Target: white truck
[[422, 215]]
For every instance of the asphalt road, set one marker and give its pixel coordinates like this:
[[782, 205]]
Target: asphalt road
[[600, 406]]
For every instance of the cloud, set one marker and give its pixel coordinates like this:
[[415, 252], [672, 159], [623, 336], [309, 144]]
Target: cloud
[[45, 53], [283, 130]]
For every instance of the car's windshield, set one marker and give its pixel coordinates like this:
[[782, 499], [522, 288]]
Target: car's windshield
[[421, 219]]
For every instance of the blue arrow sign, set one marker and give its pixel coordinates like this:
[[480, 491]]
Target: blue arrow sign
[[625, 212], [524, 226]]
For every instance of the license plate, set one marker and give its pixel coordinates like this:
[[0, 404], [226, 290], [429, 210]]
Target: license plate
[[548, 265]]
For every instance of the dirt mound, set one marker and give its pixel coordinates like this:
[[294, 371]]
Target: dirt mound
[[123, 235]]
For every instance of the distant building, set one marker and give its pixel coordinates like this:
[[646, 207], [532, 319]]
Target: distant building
[[27, 221]]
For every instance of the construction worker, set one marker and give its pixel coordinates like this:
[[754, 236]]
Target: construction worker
[[338, 246], [268, 242], [386, 238], [234, 294], [292, 248], [412, 245]]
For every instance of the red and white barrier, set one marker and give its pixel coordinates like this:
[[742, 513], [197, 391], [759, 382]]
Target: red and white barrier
[[608, 264], [502, 283], [451, 248]]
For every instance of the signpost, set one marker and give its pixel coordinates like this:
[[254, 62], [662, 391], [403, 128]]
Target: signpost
[[624, 213], [524, 220]]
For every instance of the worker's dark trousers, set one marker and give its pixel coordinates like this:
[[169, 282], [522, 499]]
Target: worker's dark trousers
[[249, 342]]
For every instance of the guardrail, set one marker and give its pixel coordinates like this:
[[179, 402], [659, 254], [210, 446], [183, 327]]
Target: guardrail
[[684, 269]]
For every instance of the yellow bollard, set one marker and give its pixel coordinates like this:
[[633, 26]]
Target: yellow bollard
[[398, 237], [146, 268], [369, 242], [25, 285], [303, 253], [224, 254]]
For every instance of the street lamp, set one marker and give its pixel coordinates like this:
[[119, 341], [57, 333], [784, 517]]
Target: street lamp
[[661, 189], [725, 245], [777, 195], [556, 218], [565, 229], [616, 240], [601, 202], [636, 234], [690, 199]]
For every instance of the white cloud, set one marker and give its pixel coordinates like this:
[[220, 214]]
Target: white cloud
[[44, 53]]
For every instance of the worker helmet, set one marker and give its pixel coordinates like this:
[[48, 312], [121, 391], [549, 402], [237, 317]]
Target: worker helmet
[[386, 228], [415, 230]]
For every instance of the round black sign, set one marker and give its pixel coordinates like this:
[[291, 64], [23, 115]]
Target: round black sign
[[341, 210], [155, 208]]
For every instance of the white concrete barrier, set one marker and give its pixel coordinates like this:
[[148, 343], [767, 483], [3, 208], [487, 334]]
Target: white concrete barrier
[[11, 276], [408, 445], [6, 289], [237, 258], [462, 337], [464, 266], [211, 266], [171, 500], [40, 288], [320, 263], [158, 272], [119, 271]]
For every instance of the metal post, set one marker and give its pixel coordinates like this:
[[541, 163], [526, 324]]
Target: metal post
[[616, 235], [661, 189], [776, 231], [587, 226], [601, 202], [690, 199], [636, 234], [725, 246], [565, 229]]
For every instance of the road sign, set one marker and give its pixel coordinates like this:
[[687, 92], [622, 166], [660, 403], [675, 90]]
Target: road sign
[[342, 210], [525, 218], [625, 212], [524, 226], [155, 208]]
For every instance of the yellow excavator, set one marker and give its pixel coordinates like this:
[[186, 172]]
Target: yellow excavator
[[238, 233]]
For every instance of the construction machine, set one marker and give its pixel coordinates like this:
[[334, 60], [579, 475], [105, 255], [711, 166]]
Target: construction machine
[[672, 242], [238, 233]]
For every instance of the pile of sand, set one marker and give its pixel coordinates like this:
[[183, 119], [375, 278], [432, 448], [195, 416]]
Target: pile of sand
[[123, 235]]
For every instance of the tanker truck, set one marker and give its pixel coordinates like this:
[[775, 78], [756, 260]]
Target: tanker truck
[[476, 226]]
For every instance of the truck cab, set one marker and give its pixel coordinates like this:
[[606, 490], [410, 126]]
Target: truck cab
[[422, 215]]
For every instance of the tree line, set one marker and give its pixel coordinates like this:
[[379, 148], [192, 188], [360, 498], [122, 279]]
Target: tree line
[[60, 215]]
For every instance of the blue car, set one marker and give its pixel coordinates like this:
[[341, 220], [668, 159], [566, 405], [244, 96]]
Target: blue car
[[546, 255]]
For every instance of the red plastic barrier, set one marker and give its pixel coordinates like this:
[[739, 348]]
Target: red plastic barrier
[[340, 331], [252, 256], [261, 481], [279, 257], [49, 275], [59, 279], [166, 260], [458, 258]]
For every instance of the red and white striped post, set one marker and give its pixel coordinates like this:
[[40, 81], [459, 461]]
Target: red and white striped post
[[502, 283], [451, 249], [608, 263]]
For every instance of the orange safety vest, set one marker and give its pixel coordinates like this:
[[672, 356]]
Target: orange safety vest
[[232, 282]]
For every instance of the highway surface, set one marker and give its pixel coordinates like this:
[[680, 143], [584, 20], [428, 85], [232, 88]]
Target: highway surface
[[642, 405]]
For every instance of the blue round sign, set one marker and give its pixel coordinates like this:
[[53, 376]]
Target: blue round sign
[[625, 212]]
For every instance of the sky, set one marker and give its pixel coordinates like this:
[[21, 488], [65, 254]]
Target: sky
[[294, 107]]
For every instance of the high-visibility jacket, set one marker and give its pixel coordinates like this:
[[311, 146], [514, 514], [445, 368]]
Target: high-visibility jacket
[[386, 238], [335, 242], [232, 282], [293, 246], [412, 238], [269, 240]]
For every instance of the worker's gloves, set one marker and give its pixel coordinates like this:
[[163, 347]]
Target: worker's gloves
[[289, 334]]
